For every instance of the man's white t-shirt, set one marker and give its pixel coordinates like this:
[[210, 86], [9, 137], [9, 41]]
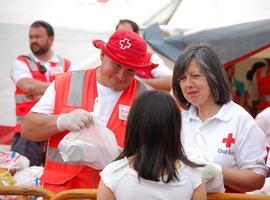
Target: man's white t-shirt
[[105, 102], [103, 107], [124, 183]]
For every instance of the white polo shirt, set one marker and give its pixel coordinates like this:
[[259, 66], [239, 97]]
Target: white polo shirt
[[231, 137], [263, 121]]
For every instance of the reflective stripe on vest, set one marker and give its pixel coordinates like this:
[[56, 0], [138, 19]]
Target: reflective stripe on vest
[[19, 98], [19, 119], [265, 98], [32, 64], [54, 155], [75, 96]]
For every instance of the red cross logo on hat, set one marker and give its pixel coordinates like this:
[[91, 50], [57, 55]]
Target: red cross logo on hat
[[124, 44], [229, 140]]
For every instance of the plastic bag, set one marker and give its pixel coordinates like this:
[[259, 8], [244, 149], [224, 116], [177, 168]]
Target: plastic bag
[[28, 177], [95, 146], [13, 160], [6, 178], [10, 162]]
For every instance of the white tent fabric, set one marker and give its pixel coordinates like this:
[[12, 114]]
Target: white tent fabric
[[76, 24], [193, 14]]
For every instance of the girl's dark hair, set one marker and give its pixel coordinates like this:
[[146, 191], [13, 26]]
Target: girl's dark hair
[[133, 24], [212, 69], [45, 25], [153, 137]]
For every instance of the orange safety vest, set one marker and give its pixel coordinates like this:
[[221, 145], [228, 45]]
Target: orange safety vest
[[23, 102], [146, 73], [75, 90], [263, 80]]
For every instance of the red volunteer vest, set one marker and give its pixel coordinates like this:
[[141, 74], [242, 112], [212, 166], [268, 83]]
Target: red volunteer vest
[[78, 90], [146, 73], [23, 102], [263, 80]]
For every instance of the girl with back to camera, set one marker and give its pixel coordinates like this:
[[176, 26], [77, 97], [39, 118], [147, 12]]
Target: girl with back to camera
[[153, 164], [214, 124]]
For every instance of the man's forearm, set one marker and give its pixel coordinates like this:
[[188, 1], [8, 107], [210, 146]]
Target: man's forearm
[[33, 87], [162, 83], [39, 127]]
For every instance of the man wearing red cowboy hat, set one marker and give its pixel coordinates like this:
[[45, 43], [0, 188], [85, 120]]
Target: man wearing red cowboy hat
[[159, 77], [108, 91]]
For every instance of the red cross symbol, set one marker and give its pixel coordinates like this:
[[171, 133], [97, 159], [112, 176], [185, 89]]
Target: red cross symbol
[[229, 140], [124, 44]]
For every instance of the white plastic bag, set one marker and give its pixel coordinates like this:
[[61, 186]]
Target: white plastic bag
[[95, 146], [13, 160], [29, 176]]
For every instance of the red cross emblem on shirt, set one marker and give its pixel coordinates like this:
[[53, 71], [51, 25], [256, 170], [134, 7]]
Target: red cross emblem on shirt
[[124, 44], [229, 140]]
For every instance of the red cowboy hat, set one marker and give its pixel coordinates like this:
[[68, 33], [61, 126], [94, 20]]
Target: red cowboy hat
[[126, 48]]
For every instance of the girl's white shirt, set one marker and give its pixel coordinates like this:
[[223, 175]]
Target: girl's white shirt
[[124, 183]]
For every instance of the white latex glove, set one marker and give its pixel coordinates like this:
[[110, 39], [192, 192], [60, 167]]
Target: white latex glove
[[210, 171], [75, 120]]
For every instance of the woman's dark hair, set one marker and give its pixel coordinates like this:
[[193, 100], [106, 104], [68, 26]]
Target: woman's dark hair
[[45, 25], [210, 66], [153, 137], [133, 24]]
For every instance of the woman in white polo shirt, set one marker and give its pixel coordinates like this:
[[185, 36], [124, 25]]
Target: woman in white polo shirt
[[214, 124]]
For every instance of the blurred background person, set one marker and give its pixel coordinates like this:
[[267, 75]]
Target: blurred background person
[[263, 121], [240, 94], [253, 69], [260, 88], [32, 74]]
